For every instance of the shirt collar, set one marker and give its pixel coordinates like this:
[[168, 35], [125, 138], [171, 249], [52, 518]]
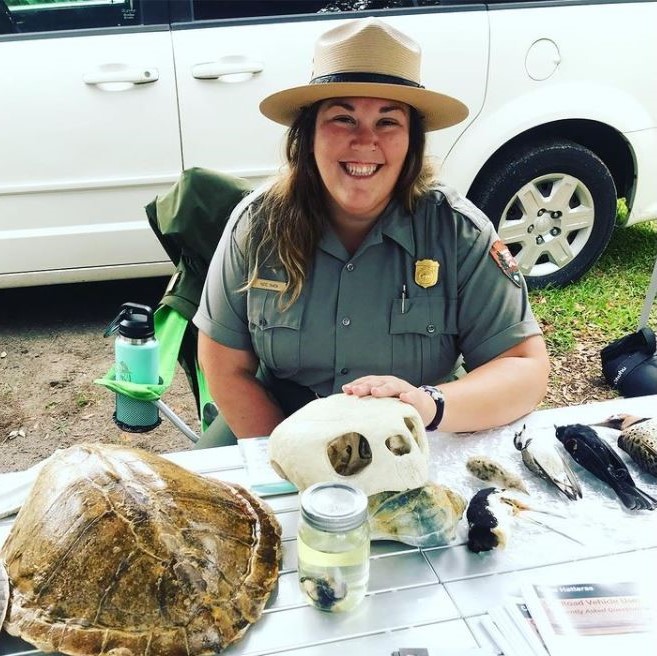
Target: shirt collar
[[395, 223]]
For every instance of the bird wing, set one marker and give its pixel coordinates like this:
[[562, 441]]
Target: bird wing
[[594, 460], [549, 464]]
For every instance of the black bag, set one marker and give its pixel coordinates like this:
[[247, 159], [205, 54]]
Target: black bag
[[630, 363]]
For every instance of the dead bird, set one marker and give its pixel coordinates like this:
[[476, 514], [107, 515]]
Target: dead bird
[[490, 515], [488, 470], [638, 439], [594, 454], [489, 520], [542, 458]]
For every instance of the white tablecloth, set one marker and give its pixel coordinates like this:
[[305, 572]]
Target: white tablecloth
[[434, 598]]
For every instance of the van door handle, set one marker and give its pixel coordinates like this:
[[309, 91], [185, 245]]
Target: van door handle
[[227, 66], [114, 75]]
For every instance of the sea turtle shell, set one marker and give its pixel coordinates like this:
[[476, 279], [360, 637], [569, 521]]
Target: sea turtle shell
[[120, 552]]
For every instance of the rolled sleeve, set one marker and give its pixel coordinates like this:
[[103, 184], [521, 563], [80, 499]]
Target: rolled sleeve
[[494, 313], [222, 312]]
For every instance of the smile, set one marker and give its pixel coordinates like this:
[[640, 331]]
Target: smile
[[360, 170]]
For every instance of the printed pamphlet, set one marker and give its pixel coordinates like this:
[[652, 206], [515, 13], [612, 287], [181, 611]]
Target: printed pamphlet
[[605, 617], [513, 630]]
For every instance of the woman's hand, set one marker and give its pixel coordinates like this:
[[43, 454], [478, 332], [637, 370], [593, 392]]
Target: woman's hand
[[495, 393], [380, 386]]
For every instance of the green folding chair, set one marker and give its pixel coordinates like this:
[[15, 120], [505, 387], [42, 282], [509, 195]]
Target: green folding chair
[[188, 221]]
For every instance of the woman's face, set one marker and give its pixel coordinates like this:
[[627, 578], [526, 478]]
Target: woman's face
[[360, 146]]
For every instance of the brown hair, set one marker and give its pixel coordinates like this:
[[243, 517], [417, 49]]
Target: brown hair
[[293, 212]]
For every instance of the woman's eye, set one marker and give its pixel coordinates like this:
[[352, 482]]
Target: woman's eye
[[343, 119], [386, 122]]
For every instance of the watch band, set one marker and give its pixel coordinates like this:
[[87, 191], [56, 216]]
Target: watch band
[[439, 399]]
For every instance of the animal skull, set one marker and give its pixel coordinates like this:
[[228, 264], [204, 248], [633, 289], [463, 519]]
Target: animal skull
[[376, 444]]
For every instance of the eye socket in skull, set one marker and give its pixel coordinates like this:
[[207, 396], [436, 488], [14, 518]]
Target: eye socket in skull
[[416, 429], [349, 453], [398, 445]]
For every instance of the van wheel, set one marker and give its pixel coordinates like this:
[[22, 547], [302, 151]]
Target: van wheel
[[554, 204]]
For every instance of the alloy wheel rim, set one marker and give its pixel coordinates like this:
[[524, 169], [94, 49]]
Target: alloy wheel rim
[[547, 223]]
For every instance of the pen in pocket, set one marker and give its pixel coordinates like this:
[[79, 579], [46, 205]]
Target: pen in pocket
[[403, 299]]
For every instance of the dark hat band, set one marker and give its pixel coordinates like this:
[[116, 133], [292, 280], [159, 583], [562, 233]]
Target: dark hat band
[[375, 78]]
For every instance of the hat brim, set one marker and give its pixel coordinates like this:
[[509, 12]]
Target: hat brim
[[437, 109]]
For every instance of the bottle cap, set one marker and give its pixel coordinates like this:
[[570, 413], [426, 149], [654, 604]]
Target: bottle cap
[[134, 321], [334, 507]]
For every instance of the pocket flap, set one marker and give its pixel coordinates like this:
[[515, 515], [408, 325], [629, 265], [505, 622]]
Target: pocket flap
[[264, 312], [423, 315]]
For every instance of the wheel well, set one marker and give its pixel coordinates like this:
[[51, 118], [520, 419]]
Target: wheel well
[[608, 144]]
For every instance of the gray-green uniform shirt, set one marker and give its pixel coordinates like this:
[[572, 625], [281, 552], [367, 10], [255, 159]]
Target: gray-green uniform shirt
[[351, 320]]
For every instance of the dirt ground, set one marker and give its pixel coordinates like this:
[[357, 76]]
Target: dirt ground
[[52, 348]]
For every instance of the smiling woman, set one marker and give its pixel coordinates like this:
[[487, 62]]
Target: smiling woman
[[363, 275], [360, 147]]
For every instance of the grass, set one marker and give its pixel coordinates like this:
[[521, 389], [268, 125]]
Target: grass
[[606, 303]]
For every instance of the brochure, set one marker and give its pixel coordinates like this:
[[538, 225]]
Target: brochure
[[513, 631], [605, 617], [262, 478], [517, 610]]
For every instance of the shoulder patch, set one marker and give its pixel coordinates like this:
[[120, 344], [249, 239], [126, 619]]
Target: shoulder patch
[[500, 252]]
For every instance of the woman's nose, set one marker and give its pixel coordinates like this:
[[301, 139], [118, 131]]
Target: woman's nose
[[364, 138]]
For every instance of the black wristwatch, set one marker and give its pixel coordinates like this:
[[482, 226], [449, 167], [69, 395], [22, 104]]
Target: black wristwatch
[[439, 398]]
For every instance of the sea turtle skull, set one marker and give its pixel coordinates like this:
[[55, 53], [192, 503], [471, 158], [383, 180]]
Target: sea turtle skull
[[376, 444]]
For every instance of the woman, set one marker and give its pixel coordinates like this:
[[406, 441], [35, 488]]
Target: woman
[[354, 272]]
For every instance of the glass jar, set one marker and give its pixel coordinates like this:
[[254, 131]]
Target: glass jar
[[333, 545]]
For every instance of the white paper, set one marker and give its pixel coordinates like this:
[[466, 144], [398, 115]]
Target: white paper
[[606, 617], [517, 610], [16, 486], [260, 474]]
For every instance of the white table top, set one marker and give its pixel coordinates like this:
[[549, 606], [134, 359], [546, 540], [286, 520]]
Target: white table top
[[434, 598]]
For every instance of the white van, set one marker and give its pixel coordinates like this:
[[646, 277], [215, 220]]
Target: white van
[[104, 102]]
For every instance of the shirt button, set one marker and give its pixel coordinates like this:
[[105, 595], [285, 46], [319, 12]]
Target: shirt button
[[263, 322], [346, 321], [350, 267], [344, 371], [431, 328]]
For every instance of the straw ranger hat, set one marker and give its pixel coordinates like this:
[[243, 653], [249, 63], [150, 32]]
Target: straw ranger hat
[[366, 58]]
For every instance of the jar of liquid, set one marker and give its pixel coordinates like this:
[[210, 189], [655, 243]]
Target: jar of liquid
[[333, 545]]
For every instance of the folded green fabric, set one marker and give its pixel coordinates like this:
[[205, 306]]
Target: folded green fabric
[[169, 330]]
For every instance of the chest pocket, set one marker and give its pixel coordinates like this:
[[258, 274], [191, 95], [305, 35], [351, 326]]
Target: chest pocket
[[276, 334], [423, 337]]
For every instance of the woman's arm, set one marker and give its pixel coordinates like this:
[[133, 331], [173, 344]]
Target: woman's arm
[[496, 393], [245, 404]]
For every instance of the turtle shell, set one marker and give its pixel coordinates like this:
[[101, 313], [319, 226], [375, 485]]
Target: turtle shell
[[118, 551]]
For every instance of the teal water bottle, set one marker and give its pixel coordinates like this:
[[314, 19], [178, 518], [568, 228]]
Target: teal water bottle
[[136, 352]]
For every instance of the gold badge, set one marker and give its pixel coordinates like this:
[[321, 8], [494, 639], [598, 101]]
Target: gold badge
[[269, 285], [426, 273]]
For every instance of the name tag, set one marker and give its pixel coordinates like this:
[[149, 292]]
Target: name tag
[[271, 285]]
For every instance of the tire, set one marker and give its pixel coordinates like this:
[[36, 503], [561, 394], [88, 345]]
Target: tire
[[554, 204]]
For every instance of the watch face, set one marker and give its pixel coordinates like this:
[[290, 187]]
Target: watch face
[[433, 392]]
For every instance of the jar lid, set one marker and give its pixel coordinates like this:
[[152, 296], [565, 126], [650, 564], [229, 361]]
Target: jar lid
[[334, 507]]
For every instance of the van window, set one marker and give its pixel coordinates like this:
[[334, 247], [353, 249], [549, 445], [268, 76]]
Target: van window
[[223, 9], [25, 16]]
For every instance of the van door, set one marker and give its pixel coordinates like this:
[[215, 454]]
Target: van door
[[89, 136], [229, 60]]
